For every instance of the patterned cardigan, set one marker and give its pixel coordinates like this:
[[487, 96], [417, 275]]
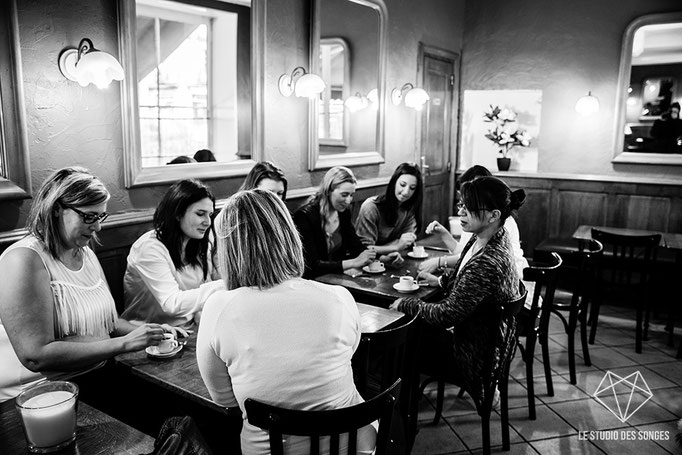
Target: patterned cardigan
[[489, 275]]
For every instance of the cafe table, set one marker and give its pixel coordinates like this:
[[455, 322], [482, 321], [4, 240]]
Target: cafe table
[[96, 432], [377, 288], [180, 374]]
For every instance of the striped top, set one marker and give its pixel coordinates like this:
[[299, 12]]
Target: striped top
[[83, 305]]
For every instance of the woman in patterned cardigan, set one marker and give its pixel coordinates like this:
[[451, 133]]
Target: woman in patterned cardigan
[[454, 339]]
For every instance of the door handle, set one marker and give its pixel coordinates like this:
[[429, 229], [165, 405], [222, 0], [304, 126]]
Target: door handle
[[425, 167]]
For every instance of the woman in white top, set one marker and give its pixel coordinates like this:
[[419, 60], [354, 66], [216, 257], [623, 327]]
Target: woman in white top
[[456, 247], [170, 271], [273, 336], [57, 315]]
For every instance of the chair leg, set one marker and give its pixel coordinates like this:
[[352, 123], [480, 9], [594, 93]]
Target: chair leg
[[544, 342], [504, 409], [485, 428], [594, 317], [583, 334], [439, 401], [528, 359], [572, 324], [638, 331]]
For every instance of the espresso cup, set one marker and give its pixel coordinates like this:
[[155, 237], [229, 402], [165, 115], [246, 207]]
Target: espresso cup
[[406, 282], [375, 266], [167, 344], [418, 250]]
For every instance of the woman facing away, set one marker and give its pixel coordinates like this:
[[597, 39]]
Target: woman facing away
[[485, 270], [430, 265], [390, 221], [273, 336], [57, 315], [330, 243], [170, 271], [266, 176]]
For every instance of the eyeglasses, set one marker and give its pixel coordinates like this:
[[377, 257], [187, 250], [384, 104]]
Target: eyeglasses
[[88, 218], [461, 206]]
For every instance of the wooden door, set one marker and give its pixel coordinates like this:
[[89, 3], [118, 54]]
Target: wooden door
[[439, 76]]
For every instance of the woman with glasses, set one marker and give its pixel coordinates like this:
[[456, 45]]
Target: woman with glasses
[[57, 315], [435, 228], [170, 271], [390, 221], [485, 271]]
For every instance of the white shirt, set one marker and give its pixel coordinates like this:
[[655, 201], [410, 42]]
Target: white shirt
[[155, 291], [289, 346]]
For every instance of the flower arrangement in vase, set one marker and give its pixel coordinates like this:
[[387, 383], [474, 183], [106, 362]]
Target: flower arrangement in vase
[[505, 133]]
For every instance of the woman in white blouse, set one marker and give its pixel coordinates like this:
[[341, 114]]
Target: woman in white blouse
[[170, 271], [272, 335]]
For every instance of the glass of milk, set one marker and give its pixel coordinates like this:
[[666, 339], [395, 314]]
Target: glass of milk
[[48, 415]]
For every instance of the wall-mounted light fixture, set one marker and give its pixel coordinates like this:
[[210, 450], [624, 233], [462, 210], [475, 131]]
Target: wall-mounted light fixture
[[302, 83], [587, 105], [87, 65], [415, 97], [356, 102]]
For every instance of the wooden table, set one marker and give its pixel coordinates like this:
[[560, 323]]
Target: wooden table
[[377, 289], [180, 374], [668, 240], [97, 433]]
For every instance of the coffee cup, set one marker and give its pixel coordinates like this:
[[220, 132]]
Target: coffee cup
[[167, 344], [375, 266], [406, 282], [418, 250]]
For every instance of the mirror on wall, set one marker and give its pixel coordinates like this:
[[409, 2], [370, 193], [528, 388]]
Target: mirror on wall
[[15, 180], [341, 132], [648, 127], [191, 95]]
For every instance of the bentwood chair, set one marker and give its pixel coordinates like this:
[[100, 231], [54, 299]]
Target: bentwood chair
[[542, 271], [625, 273], [385, 356], [325, 427], [571, 307], [501, 343]]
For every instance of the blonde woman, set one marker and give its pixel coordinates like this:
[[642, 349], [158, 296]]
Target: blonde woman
[[273, 336], [57, 315]]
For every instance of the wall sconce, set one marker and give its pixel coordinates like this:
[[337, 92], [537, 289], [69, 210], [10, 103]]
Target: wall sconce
[[415, 97], [356, 102], [303, 84], [587, 105], [87, 65]]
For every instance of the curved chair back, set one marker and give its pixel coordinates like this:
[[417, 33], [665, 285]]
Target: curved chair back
[[279, 421], [543, 272], [630, 257]]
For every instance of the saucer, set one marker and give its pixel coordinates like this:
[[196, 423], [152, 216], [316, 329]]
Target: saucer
[[153, 352], [412, 255], [381, 270], [415, 286]]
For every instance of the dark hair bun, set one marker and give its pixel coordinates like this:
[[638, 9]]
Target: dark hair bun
[[517, 199]]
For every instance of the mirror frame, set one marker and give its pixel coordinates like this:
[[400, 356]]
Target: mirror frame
[[622, 93], [315, 161], [135, 175], [16, 184]]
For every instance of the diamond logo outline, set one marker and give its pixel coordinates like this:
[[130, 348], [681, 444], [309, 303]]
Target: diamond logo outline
[[610, 388]]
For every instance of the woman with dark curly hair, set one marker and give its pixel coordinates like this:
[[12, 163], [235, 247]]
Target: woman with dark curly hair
[[170, 271]]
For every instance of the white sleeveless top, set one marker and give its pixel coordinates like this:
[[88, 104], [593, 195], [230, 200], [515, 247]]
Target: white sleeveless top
[[83, 305]]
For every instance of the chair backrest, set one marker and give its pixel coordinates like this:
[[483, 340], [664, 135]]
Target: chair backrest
[[631, 257], [332, 423], [542, 271]]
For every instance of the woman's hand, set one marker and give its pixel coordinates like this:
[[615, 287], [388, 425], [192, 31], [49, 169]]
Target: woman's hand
[[394, 259], [436, 228], [431, 279], [365, 257], [394, 305], [406, 240], [142, 337], [177, 332], [429, 265]]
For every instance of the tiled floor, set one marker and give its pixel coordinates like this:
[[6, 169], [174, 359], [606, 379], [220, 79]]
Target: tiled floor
[[573, 408]]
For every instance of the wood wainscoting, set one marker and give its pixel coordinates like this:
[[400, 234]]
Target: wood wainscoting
[[556, 205]]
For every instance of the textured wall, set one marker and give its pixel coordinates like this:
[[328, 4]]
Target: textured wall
[[70, 125], [563, 49]]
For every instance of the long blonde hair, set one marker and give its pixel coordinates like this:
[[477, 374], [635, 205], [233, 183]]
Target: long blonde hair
[[334, 177], [258, 244]]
